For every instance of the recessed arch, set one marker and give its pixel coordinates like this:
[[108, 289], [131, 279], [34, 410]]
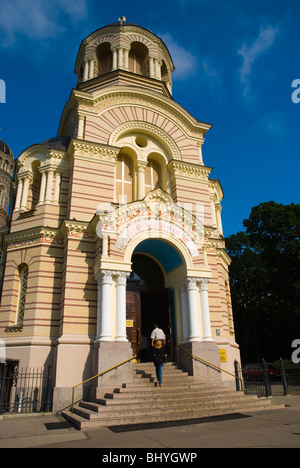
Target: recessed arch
[[103, 59], [168, 145], [138, 58], [179, 248]]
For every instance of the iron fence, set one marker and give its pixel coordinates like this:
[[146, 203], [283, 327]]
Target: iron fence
[[260, 378], [25, 390], [291, 378]]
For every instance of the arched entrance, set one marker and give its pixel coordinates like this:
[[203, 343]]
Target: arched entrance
[[148, 300]]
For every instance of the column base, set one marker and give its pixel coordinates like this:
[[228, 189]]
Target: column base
[[206, 350], [107, 354]]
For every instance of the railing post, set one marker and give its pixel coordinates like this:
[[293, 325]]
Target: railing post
[[267, 379], [237, 378], [48, 406], [283, 377], [3, 381]]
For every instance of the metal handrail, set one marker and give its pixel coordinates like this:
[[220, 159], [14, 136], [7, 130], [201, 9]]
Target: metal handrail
[[98, 375], [212, 365]]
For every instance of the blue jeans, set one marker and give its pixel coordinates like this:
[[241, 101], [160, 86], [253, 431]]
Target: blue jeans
[[159, 369]]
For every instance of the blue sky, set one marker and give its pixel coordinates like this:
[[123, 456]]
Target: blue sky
[[235, 64]]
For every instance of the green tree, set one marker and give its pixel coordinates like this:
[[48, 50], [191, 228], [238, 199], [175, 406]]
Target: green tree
[[265, 283]]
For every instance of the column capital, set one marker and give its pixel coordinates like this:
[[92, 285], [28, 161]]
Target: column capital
[[104, 276], [204, 284], [122, 277], [191, 283], [141, 165], [25, 175]]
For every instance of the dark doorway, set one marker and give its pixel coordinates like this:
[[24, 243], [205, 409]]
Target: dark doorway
[[148, 303]]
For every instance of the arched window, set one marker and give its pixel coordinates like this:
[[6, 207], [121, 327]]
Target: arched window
[[104, 59], [23, 276], [138, 59], [34, 192], [124, 179], [152, 176]]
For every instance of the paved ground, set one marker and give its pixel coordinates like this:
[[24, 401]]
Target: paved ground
[[264, 429]]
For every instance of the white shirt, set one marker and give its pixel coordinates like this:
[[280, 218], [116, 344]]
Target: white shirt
[[157, 334]]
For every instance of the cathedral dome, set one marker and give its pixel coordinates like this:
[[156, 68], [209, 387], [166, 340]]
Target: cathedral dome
[[124, 47], [4, 148], [58, 142]]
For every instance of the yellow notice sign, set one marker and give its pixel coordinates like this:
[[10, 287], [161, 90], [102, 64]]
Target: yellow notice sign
[[223, 355], [129, 323]]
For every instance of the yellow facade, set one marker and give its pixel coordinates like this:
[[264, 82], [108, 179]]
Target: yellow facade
[[125, 176]]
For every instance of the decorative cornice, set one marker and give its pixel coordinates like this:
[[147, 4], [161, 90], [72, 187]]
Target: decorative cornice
[[33, 237], [189, 170], [93, 151]]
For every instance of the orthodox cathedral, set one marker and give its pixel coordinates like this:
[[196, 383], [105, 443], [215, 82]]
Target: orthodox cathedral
[[114, 225]]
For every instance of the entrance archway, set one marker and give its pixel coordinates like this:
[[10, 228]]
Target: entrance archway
[[148, 300], [147, 303]]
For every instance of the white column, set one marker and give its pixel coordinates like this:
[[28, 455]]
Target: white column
[[25, 193], [205, 310], [91, 69], [121, 306], [151, 67], [126, 57], [43, 186], [48, 197], [120, 58], [57, 187], [157, 69], [200, 153], [80, 127], [184, 313], [141, 180], [86, 71], [19, 194], [219, 219], [115, 58], [104, 306], [191, 287]]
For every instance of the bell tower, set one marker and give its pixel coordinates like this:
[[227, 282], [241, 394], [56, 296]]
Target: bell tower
[[120, 51]]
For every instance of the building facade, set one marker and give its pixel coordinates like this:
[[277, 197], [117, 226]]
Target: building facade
[[116, 225]]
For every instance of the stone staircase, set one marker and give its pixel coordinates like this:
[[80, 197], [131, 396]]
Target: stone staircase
[[179, 398]]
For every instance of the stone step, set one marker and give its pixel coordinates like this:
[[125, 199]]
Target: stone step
[[161, 411], [147, 391], [82, 422], [180, 398], [117, 405], [138, 383], [122, 400]]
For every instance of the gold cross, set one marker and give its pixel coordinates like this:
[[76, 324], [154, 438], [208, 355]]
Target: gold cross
[[122, 20]]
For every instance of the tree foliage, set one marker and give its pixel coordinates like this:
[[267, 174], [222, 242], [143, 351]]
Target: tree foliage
[[265, 283]]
